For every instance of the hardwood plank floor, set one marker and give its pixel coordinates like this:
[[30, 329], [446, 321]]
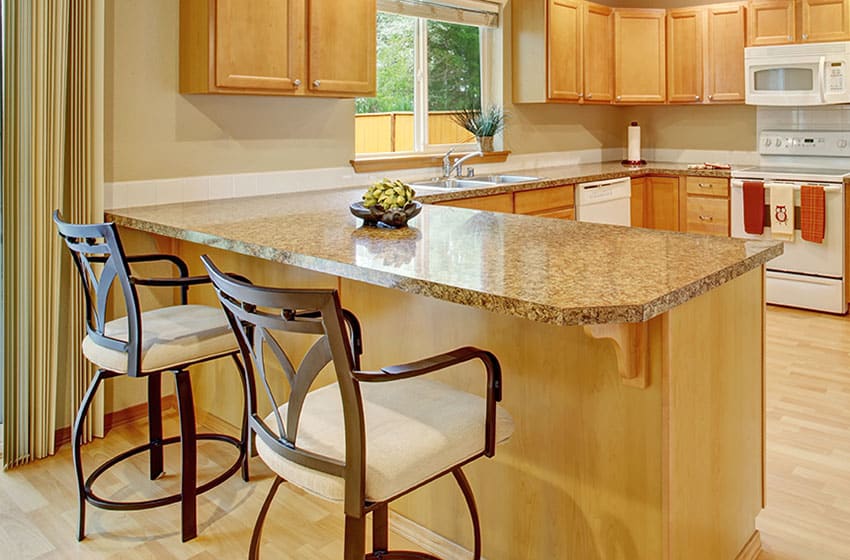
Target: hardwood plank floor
[[808, 478]]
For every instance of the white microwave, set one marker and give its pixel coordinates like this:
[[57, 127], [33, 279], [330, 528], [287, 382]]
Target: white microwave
[[811, 74]]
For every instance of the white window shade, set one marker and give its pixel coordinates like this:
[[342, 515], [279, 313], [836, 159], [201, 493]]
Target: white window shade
[[483, 13]]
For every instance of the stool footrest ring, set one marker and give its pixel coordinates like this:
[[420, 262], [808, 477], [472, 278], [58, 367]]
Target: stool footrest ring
[[103, 503]]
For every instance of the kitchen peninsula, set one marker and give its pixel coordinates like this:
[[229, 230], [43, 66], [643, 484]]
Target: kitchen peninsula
[[633, 360]]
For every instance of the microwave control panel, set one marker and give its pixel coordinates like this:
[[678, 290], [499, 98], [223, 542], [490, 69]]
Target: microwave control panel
[[835, 77], [823, 143]]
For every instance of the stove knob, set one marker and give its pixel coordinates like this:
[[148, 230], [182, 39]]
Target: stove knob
[[768, 142], [842, 143], [778, 142]]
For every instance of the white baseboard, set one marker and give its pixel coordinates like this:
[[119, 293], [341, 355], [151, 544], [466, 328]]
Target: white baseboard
[[428, 540]]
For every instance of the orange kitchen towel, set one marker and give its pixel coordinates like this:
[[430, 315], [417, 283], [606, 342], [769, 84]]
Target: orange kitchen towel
[[754, 207], [812, 213], [781, 211]]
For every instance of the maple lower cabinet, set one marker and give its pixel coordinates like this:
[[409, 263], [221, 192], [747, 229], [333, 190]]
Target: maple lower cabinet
[[551, 202], [491, 203], [598, 53], [661, 199], [263, 47], [637, 202], [824, 20], [639, 56], [685, 32], [564, 42]]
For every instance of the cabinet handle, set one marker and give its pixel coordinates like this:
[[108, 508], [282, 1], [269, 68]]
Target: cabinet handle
[[590, 96], [581, 95], [706, 218], [317, 83], [705, 185], [696, 98], [619, 97], [296, 82], [790, 39], [805, 36], [710, 97]]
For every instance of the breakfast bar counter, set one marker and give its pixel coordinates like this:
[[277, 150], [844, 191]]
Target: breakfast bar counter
[[633, 361]]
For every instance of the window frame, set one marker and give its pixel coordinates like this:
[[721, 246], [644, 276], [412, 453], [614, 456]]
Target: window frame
[[487, 41]]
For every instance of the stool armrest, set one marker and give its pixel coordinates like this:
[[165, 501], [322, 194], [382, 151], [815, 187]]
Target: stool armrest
[[165, 282], [442, 361]]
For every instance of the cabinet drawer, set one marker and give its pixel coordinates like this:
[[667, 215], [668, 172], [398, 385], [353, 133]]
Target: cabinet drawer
[[708, 186], [708, 215], [544, 200], [494, 203], [562, 214]]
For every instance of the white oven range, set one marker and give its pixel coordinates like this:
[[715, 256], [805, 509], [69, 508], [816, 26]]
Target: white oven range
[[807, 275]]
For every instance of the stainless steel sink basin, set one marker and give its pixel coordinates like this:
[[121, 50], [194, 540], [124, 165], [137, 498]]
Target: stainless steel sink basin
[[473, 182], [501, 179], [451, 183]]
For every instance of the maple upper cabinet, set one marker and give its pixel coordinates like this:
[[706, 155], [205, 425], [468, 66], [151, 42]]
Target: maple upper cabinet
[[685, 32], [262, 47], [824, 20], [562, 51], [639, 56], [564, 42], [598, 53], [778, 22], [726, 39]]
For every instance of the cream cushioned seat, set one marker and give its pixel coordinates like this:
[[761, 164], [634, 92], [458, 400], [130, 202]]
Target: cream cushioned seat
[[171, 336], [415, 428]]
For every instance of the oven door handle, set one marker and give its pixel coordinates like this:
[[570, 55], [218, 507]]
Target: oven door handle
[[739, 183]]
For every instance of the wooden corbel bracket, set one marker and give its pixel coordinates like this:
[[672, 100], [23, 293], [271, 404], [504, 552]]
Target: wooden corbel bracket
[[631, 343]]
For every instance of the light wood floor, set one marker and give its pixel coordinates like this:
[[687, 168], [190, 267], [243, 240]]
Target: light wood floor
[[808, 482]]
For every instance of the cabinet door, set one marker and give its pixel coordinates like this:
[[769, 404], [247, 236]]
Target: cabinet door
[[825, 20], [598, 53], [638, 202], [342, 46], [726, 38], [663, 203], [564, 29], [639, 57], [684, 55], [493, 203], [770, 22], [259, 44]]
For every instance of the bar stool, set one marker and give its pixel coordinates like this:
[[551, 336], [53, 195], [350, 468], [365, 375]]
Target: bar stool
[[146, 345], [418, 430]]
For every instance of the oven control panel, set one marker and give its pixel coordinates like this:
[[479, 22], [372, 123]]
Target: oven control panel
[[824, 143]]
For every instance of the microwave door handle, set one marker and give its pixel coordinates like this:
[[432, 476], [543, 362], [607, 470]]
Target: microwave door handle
[[822, 78]]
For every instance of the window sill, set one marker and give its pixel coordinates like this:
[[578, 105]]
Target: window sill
[[390, 163]]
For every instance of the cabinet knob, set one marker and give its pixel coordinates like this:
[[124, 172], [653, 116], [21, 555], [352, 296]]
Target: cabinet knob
[[296, 82], [317, 83], [791, 39], [619, 97], [580, 95], [805, 36], [696, 98], [710, 97], [590, 96]]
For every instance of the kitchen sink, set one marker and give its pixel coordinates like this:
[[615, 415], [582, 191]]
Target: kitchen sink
[[501, 179], [473, 182], [451, 183]]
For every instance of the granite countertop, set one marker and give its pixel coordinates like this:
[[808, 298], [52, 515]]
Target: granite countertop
[[554, 271], [567, 175]]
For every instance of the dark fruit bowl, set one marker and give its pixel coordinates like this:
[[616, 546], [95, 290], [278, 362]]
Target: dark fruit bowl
[[394, 217]]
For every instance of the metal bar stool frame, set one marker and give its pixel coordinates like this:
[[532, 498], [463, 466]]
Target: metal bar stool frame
[[253, 311], [93, 245]]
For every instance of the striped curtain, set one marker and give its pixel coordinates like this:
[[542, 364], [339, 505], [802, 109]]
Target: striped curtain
[[52, 149]]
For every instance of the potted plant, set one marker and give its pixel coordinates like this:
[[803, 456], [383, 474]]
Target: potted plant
[[483, 124]]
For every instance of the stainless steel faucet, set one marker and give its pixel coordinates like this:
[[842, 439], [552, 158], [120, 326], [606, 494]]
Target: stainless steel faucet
[[447, 164], [457, 168]]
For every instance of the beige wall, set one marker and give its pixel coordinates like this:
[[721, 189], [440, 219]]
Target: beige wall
[[154, 132]]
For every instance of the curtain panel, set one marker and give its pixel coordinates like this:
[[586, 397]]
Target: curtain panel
[[52, 131]]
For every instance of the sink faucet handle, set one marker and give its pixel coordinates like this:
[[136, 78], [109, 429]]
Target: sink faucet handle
[[447, 162]]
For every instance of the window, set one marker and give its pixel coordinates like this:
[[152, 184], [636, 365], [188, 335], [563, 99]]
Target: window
[[427, 68]]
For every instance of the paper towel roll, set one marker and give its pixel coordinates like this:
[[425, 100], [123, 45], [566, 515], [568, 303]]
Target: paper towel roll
[[634, 142]]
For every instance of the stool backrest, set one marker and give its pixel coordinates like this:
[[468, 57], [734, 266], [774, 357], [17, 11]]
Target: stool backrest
[[100, 259], [254, 313]]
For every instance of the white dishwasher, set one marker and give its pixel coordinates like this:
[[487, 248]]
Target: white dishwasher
[[605, 202]]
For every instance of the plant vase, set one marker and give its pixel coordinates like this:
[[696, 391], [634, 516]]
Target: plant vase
[[485, 143]]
